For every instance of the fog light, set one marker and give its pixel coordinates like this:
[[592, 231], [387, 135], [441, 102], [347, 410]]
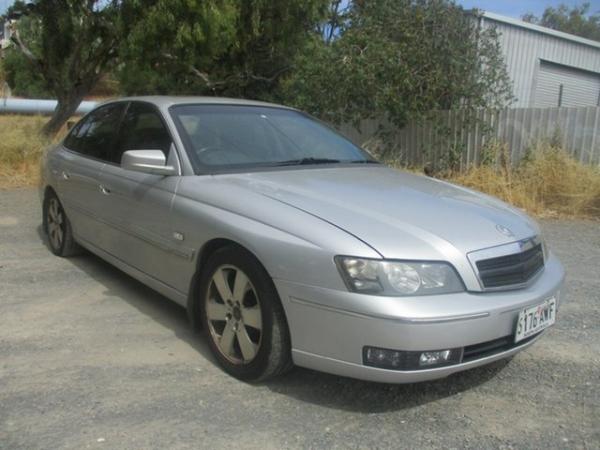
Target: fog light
[[384, 358], [435, 358], [381, 357]]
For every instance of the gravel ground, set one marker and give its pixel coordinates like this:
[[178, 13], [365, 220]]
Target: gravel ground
[[90, 358]]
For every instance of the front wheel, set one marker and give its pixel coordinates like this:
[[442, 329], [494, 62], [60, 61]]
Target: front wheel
[[242, 316]]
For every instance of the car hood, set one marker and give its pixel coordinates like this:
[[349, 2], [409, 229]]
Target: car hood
[[399, 214]]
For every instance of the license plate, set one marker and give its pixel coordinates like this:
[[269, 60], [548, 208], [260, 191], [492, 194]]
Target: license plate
[[536, 318]]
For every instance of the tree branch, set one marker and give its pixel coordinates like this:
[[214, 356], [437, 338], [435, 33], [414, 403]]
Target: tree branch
[[16, 39], [270, 79], [213, 85], [202, 75]]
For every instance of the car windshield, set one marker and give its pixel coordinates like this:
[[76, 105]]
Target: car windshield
[[232, 137]]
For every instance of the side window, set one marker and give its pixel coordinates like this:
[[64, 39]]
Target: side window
[[95, 136], [143, 129], [73, 140]]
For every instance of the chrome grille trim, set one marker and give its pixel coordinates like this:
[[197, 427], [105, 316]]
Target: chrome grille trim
[[515, 249]]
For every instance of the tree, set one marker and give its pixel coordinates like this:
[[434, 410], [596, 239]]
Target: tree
[[269, 35], [73, 43], [577, 20], [170, 50], [17, 68], [400, 59], [221, 47]]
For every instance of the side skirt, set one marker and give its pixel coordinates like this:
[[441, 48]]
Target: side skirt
[[164, 289]]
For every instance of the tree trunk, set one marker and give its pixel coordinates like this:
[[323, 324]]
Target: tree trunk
[[65, 108]]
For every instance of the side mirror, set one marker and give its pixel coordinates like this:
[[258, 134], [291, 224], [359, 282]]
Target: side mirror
[[147, 161]]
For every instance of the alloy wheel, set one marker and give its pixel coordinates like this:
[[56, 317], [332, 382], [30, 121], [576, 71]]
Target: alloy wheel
[[55, 223], [234, 314]]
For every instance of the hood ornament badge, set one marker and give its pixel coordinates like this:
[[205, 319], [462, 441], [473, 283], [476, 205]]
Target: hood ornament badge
[[505, 231]]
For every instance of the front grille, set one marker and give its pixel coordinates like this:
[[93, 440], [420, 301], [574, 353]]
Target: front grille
[[510, 270]]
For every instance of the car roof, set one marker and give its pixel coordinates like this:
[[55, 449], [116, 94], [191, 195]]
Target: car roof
[[165, 101]]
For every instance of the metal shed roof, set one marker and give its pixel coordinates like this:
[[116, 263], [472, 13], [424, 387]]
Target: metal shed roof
[[529, 26]]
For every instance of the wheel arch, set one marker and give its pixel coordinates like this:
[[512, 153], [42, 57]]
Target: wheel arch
[[207, 250]]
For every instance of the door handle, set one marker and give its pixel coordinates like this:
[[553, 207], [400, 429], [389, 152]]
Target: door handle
[[65, 175], [104, 190]]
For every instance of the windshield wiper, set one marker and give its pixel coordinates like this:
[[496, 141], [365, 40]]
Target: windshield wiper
[[307, 161], [311, 160], [364, 161]]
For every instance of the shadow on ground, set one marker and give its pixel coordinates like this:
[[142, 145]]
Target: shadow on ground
[[306, 385], [147, 301], [336, 392]]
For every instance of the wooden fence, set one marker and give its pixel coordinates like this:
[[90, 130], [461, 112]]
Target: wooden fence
[[427, 142]]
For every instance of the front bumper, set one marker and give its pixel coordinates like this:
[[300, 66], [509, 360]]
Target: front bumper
[[330, 328]]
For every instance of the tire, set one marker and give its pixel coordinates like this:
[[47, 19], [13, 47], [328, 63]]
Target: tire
[[242, 316], [58, 228]]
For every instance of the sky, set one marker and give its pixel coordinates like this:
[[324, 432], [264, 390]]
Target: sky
[[4, 4], [512, 8]]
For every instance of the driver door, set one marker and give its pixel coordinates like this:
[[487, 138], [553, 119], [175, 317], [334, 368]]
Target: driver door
[[137, 205]]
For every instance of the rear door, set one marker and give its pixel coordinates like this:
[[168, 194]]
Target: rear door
[[81, 158], [137, 205]]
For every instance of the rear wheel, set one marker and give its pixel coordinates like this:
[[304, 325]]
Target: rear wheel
[[242, 316], [58, 228]]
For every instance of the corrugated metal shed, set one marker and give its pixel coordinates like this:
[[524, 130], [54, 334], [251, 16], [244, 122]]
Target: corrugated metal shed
[[559, 85], [540, 59]]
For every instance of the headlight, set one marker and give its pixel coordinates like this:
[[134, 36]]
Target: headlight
[[398, 278]]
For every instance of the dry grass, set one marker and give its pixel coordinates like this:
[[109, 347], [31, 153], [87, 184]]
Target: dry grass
[[549, 183], [21, 146]]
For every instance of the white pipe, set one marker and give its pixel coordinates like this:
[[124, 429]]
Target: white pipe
[[37, 106]]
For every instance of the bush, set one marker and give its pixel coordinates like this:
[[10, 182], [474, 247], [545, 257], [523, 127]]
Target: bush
[[399, 60], [548, 183]]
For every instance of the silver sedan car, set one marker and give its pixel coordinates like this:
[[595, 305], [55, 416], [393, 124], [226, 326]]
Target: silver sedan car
[[289, 245]]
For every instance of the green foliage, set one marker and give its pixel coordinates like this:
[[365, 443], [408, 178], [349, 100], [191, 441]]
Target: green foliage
[[23, 81], [400, 59], [69, 43], [170, 49], [18, 72], [576, 20], [495, 153], [217, 47]]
